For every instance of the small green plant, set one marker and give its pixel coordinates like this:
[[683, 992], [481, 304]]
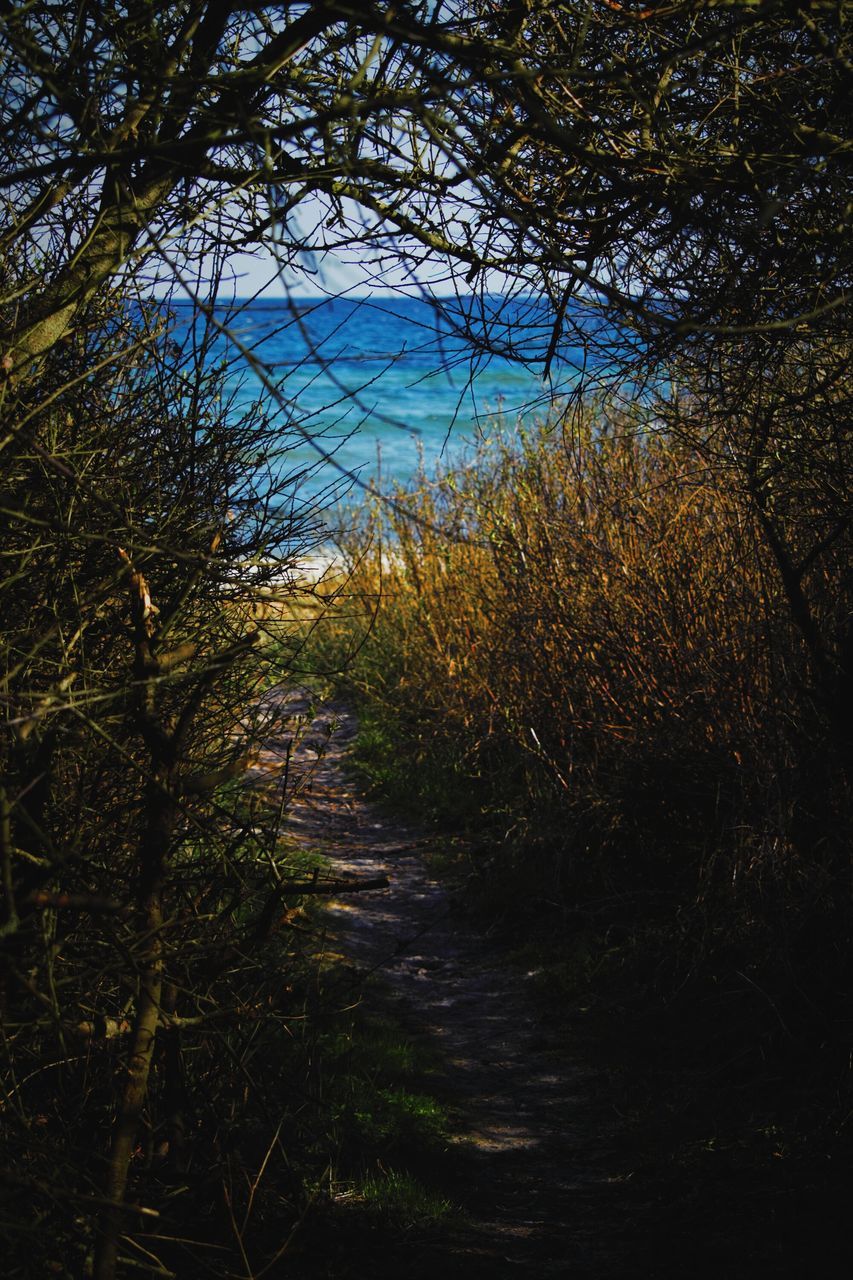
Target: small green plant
[[380, 1129], [394, 1119], [403, 1202], [378, 1097]]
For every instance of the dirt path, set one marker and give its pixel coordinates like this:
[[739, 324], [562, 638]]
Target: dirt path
[[535, 1170]]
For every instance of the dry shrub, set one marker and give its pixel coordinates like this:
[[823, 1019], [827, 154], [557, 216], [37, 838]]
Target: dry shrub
[[148, 965], [581, 629]]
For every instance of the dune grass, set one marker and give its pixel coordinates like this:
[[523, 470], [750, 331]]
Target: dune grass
[[576, 647], [578, 650]]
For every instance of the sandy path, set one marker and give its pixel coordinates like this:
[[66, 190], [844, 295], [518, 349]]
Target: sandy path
[[535, 1163]]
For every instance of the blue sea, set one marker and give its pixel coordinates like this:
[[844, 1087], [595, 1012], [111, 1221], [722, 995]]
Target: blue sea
[[367, 391]]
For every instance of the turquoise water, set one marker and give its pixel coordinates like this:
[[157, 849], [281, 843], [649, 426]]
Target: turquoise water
[[372, 388]]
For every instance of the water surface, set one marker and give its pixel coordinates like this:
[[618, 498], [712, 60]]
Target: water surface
[[378, 387]]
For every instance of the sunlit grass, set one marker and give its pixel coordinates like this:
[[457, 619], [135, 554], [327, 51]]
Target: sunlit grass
[[403, 1202], [575, 646]]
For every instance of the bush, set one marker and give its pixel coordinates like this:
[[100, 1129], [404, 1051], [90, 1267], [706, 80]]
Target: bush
[[145, 976], [582, 643]]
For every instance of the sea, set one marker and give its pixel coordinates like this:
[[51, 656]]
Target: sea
[[371, 392]]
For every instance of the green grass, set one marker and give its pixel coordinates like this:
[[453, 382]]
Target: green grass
[[379, 1099], [403, 1202], [395, 1119], [383, 1133], [376, 1087], [414, 769]]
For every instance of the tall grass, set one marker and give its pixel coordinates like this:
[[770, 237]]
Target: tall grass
[[577, 644]]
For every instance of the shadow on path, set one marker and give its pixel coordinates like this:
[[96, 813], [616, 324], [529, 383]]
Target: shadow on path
[[535, 1167]]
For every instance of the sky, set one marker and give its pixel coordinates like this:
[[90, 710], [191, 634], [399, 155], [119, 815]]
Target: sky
[[330, 274], [357, 269]]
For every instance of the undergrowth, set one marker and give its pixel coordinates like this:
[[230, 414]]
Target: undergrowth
[[579, 649], [382, 1132], [579, 644]]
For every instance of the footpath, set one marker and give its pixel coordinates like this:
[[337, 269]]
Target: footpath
[[532, 1153]]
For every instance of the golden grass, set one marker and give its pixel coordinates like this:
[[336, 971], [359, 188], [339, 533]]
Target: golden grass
[[582, 621]]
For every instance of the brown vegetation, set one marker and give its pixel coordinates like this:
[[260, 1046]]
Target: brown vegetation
[[631, 645], [584, 641]]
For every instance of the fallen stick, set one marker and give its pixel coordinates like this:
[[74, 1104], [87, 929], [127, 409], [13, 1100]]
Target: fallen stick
[[332, 887]]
